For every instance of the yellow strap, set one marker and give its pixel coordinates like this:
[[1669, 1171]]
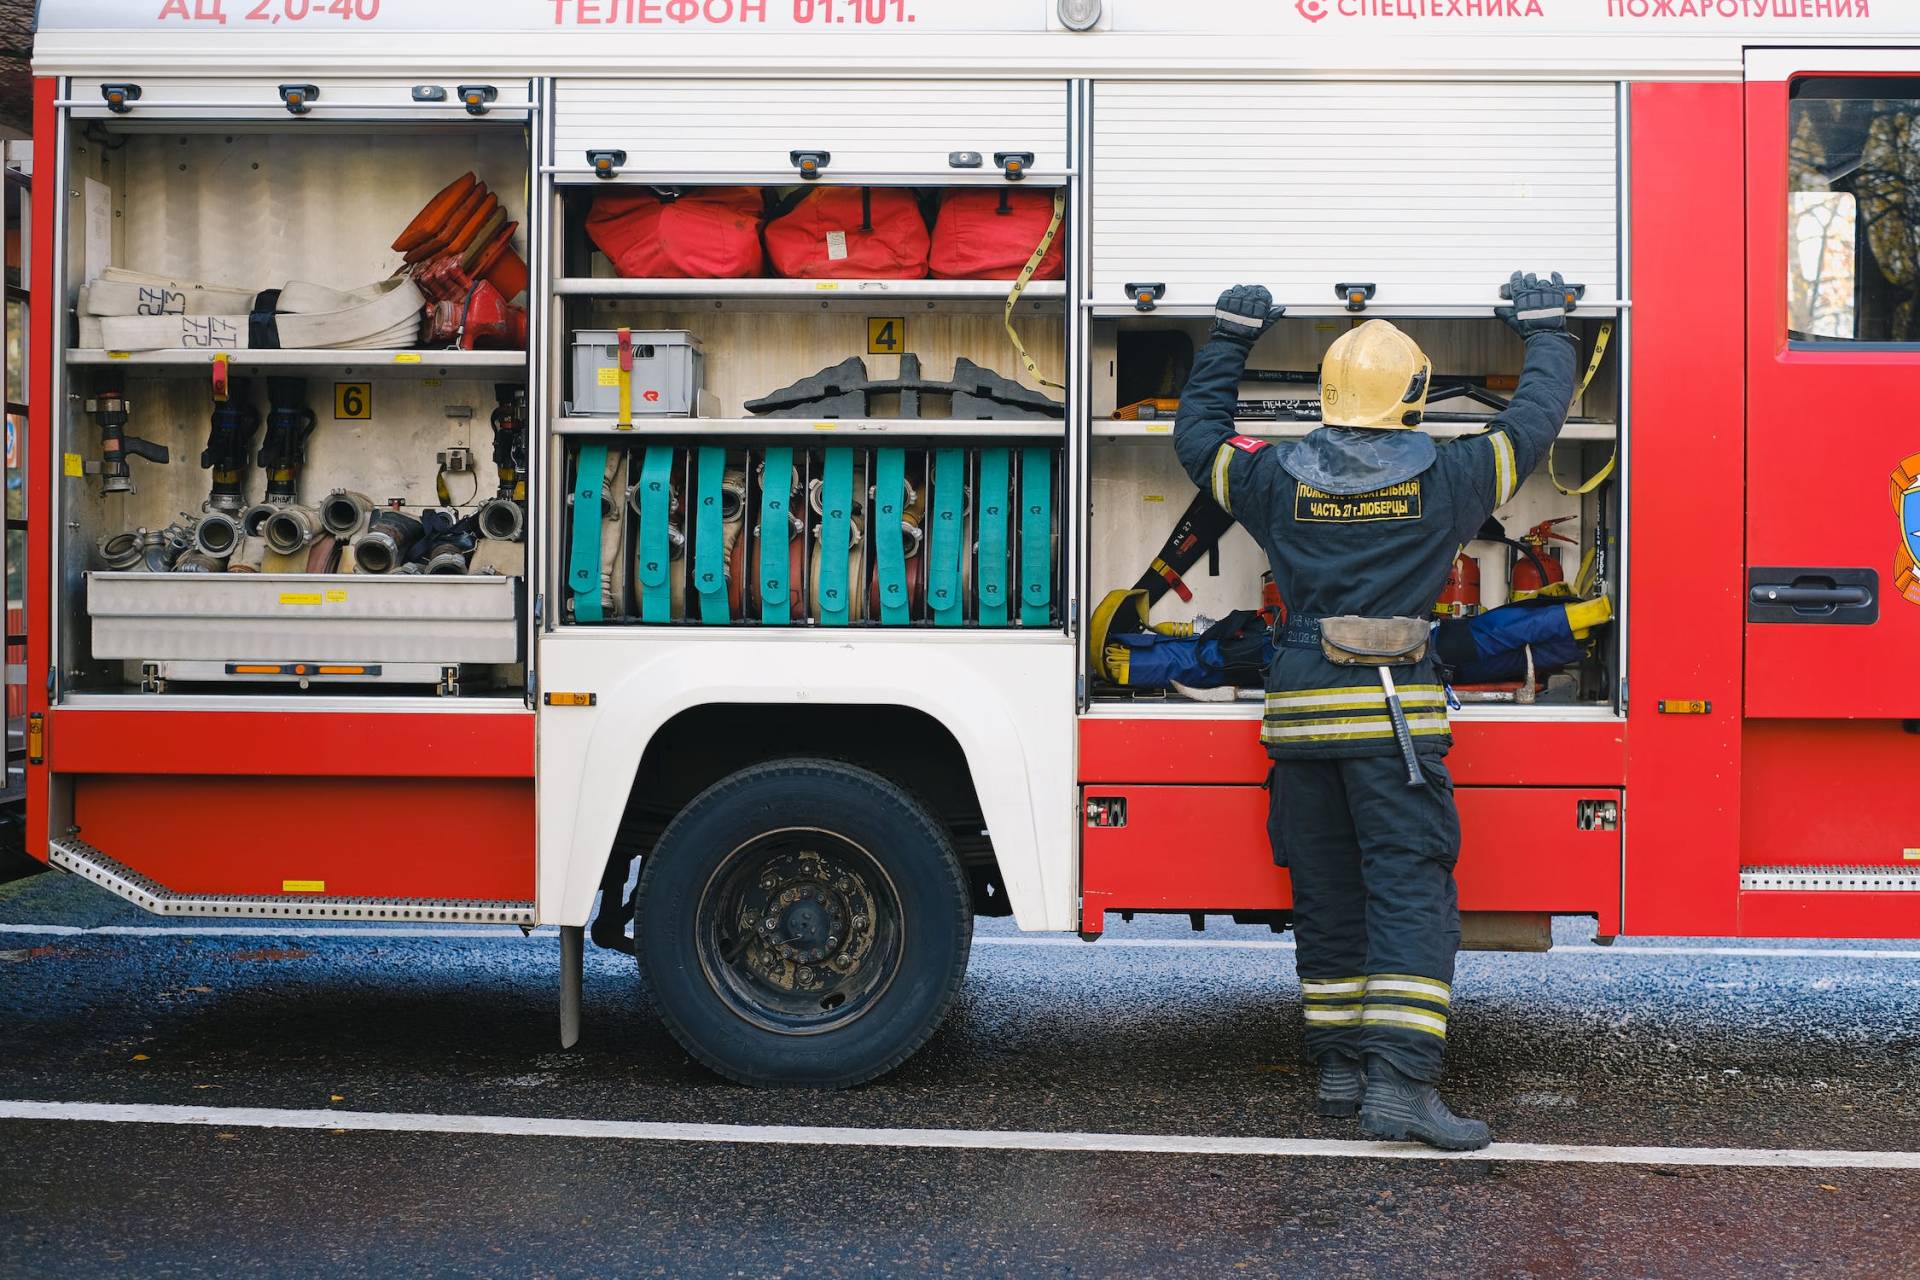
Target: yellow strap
[[1593, 367], [1026, 278]]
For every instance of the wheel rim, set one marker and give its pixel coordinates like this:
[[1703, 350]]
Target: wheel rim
[[799, 931]]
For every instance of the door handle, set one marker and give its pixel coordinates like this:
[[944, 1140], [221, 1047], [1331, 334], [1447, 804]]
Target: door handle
[[1811, 597], [1819, 597]]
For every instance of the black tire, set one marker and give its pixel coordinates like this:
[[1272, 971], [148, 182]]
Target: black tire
[[803, 923]]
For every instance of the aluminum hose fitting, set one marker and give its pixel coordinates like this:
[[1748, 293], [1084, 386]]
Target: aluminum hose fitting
[[218, 534], [384, 546], [447, 559], [196, 562], [345, 514], [291, 530], [253, 522], [501, 519]]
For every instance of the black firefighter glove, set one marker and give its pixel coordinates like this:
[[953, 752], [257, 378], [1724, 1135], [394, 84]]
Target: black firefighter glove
[[1244, 313], [1539, 306]]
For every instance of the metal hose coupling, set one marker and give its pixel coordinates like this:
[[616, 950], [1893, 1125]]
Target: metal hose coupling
[[383, 547], [502, 519], [195, 562], [218, 535], [291, 530], [122, 552], [253, 521], [345, 514], [447, 559]]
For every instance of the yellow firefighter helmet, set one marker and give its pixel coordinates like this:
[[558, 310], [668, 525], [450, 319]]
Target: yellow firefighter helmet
[[1374, 376]]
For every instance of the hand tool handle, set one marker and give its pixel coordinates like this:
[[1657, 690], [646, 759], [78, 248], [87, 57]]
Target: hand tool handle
[[1416, 776]]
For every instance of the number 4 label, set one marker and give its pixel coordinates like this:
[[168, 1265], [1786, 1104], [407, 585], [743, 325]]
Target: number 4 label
[[886, 335], [353, 402]]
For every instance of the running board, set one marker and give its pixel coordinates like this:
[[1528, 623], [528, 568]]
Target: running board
[[86, 861], [1832, 879]]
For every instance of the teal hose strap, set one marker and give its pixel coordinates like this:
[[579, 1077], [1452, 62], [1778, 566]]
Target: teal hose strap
[[889, 549], [1036, 537], [992, 501], [652, 557], [709, 568], [776, 548], [583, 569], [836, 538], [948, 509]]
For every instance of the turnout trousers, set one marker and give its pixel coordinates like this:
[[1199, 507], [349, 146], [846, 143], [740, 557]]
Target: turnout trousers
[[1376, 912]]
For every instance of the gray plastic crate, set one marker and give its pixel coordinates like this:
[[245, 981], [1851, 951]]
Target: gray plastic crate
[[669, 372]]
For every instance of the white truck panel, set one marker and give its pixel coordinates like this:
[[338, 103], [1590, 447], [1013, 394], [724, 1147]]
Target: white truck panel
[[717, 128], [1009, 704], [1434, 192]]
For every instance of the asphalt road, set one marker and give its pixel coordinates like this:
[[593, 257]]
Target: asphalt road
[[1685, 1045]]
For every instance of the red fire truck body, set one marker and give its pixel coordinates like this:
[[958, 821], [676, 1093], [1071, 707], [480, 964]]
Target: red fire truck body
[[1729, 766]]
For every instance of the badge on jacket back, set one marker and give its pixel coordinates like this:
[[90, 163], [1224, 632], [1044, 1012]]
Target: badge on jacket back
[[1395, 502]]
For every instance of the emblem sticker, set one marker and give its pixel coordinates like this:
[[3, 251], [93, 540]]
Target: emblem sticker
[[1905, 490], [1395, 502]]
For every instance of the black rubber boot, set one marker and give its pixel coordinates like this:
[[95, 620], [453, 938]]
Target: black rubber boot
[[1399, 1108], [1342, 1083]]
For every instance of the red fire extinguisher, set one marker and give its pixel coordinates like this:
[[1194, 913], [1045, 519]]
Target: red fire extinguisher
[[1460, 598], [1273, 610], [1538, 571]]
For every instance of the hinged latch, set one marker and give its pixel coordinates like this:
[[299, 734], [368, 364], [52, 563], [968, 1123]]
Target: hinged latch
[[476, 98], [1144, 296], [1014, 163], [606, 164], [810, 163], [120, 97], [1106, 811], [1355, 296], [299, 97]]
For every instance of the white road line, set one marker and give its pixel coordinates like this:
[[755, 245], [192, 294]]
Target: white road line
[[547, 933], [945, 1139]]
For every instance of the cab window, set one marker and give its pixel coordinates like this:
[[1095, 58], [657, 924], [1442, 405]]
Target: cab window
[[1853, 210]]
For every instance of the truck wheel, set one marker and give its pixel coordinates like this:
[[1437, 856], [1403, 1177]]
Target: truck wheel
[[803, 923]]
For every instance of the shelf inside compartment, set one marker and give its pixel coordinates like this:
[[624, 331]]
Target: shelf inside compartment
[[822, 429], [825, 291], [1264, 429], [340, 364]]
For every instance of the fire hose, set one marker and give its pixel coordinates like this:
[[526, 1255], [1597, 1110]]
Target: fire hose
[[838, 597], [151, 313], [657, 569]]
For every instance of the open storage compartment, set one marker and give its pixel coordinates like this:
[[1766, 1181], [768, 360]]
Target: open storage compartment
[[295, 386], [1330, 194]]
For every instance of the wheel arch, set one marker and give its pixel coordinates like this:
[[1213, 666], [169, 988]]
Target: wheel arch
[[906, 707]]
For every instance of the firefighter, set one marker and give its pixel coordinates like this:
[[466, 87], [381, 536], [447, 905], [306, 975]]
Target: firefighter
[[1363, 518]]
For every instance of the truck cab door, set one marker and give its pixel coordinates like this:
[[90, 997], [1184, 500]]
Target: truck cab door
[[1833, 392]]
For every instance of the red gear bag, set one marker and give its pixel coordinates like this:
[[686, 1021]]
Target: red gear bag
[[988, 233], [712, 234], [851, 233]]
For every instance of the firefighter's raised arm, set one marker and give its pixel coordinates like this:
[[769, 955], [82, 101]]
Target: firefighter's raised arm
[[1213, 452], [1525, 430]]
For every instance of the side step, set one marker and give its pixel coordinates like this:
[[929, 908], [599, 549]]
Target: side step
[[83, 859], [1832, 879]]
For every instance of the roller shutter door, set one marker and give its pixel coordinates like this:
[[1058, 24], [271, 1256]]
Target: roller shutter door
[[1433, 192], [703, 130]]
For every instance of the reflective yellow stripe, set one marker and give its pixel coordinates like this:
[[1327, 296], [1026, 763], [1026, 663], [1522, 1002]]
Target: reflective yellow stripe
[[1403, 984], [1346, 730], [1504, 479], [1431, 1023], [1408, 693], [1377, 698], [1222, 459], [1332, 986], [1338, 1016]]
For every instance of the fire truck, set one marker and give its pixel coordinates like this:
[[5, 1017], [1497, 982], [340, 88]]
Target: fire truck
[[651, 467]]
